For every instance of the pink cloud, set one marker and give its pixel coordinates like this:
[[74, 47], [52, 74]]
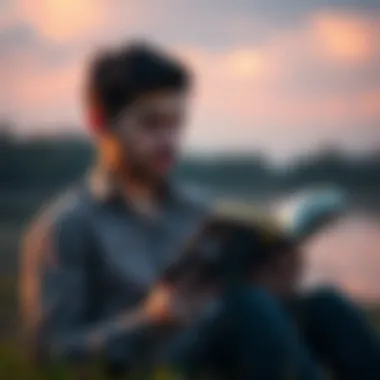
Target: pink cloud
[[300, 81], [345, 37], [63, 20]]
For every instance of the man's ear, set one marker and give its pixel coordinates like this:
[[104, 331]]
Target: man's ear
[[94, 111], [110, 150], [95, 119]]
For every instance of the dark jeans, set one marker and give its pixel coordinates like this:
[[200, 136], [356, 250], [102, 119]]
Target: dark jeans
[[339, 335], [250, 337], [254, 337]]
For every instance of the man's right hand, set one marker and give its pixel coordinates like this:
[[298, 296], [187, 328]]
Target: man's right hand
[[175, 305], [158, 307]]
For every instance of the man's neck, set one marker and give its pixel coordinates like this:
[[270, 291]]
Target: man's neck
[[143, 195]]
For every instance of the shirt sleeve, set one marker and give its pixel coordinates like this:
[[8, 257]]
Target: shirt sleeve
[[55, 282]]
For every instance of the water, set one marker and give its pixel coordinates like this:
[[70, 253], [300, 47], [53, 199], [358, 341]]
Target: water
[[348, 255]]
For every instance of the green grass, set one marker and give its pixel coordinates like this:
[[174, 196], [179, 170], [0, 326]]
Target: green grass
[[13, 363]]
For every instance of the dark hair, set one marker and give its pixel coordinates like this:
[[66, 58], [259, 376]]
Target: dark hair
[[118, 77]]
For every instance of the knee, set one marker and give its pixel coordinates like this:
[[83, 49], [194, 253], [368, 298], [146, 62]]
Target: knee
[[255, 301], [327, 298], [329, 304], [265, 331], [255, 312]]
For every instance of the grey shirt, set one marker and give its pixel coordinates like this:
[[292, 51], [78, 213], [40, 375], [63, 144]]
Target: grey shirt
[[87, 260]]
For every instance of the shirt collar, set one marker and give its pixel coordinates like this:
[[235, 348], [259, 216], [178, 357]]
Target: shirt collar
[[102, 184], [105, 187]]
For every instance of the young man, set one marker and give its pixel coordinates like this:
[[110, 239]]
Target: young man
[[91, 263]]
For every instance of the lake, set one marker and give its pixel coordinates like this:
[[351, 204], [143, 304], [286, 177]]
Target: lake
[[348, 254]]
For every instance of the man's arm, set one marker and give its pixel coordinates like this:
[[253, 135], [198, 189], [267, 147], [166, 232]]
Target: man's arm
[[54, 292]]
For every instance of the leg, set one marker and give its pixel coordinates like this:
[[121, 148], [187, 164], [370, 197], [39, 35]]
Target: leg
[[339, 333], [251, 337]]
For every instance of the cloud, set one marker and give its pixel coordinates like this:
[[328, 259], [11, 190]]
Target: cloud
[[58, 21], [298, 85], [345, 37], [65, 22], [62, 20], [269, 76]]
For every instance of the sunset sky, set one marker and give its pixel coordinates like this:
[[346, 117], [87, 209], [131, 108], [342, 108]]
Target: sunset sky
[[284, 77]]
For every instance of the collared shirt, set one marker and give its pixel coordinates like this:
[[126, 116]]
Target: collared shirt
[[89, 258]]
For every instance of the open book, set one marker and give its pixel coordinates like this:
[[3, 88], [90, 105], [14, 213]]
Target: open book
[[232, 241], [223, 248]]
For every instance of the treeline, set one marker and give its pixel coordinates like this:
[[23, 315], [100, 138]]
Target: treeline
[[52, 163], [42, 162]]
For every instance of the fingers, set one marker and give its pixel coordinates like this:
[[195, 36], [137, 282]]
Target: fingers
[[159, 303], [176, 305]]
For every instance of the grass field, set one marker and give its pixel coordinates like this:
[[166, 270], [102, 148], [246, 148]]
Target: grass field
[[13, 364]]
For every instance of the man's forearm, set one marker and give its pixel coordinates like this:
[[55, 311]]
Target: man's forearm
[[87, 341]]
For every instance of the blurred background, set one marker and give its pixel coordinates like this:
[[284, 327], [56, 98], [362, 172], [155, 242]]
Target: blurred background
[[287, 98]]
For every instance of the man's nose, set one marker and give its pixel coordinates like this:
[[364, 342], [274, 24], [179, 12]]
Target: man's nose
[[168, 138]]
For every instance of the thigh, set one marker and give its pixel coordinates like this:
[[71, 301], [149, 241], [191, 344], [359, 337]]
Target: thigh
[[249, 335], [198, 347], [269, 343], [339, 334]]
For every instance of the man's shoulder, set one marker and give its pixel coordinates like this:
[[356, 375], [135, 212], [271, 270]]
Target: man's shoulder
[[70, 205]]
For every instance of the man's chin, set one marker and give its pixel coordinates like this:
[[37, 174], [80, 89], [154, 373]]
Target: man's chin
[[162, 172], [160, 177], [154, 177]]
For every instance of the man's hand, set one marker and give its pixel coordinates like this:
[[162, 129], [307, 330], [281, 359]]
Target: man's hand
[[159, 304], [175, 305]]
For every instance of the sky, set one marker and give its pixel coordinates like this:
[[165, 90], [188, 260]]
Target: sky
[[273, 76]]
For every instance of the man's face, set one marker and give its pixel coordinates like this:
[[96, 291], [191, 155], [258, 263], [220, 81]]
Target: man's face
[[150, 131]]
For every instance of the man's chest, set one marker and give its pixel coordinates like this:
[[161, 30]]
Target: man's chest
[[134, 251]]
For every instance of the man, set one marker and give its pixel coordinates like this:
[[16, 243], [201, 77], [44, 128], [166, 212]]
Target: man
[[91, 263]]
